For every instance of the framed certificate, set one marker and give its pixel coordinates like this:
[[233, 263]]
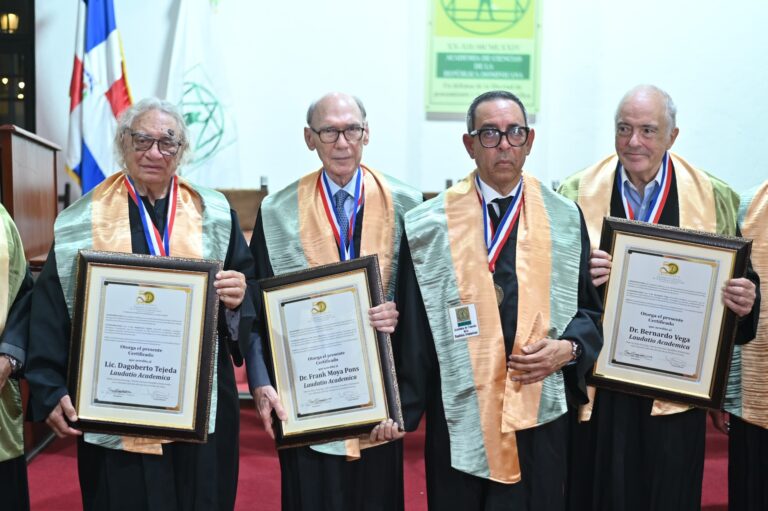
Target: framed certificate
[[667, 332], [142, 352], [333, 371]]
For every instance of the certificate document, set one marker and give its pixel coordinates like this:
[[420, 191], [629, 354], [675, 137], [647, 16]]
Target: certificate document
[[142, 352], [327, 355], [334, 372], [664, 306], [143, 345], [666, 332]]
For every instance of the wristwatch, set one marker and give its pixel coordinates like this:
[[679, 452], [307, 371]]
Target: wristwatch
[[15, 364], [575, 350]]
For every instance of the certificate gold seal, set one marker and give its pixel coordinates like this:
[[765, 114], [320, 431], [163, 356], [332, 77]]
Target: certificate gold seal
[[145, 297], [669, 268]]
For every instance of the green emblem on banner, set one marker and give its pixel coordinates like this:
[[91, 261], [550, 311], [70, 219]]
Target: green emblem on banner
[[204, 117], [485, 17]]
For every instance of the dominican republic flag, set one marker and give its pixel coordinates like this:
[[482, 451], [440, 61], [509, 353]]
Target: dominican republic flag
[[98, 94]]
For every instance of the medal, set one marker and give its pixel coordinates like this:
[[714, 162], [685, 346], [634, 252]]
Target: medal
[[495, 239], [499, 293]]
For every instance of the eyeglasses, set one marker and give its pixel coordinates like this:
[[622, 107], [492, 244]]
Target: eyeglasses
[[143, 142], [331, 135], [491, 137], [646, 132]]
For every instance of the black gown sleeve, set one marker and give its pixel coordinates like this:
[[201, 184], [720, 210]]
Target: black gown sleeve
[[15, 337], [746, 327], [239, 259], [585, 327], [48, 349], [258, 374], [412, 344]]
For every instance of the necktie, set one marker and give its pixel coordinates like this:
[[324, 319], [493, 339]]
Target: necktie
[[339, 198], [503, 203]]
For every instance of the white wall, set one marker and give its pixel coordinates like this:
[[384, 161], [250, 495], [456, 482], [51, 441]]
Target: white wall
[[710, 56]]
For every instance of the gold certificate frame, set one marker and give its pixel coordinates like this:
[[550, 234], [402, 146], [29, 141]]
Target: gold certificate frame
[[334, 372], [142, 353], [667, 332]]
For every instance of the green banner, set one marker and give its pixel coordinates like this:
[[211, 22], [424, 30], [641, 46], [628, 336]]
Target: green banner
[[481, 45]]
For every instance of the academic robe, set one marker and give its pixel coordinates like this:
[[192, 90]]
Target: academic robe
[[14, 490], [541, 450], [187, 476], [626, 459], [316, 481], [15, 286], [748, 435]]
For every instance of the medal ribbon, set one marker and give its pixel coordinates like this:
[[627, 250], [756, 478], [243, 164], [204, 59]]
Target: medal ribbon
[[495, 241], [346, 246], [158, 245], [659, 196]]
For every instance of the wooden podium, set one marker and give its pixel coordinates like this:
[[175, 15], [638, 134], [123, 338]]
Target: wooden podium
[[28, 188]]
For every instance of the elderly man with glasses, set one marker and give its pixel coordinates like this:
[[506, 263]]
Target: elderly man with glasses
[[341, 211], [499, 323], [637, 453], [146, 209]]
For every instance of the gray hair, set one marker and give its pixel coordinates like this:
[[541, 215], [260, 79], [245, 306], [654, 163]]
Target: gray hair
[[130, 114], [670, 110], [313, 107]]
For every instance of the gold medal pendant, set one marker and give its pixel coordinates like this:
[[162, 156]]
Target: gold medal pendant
[[499, 293]]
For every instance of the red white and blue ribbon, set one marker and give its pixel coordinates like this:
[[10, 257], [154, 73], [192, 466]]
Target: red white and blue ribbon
[[158, 245], [496, 239], [659, 196], [346, 246]]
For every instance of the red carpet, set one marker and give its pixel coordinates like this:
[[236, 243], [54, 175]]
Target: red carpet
[[715, 486], [53, 478], [53, 474]]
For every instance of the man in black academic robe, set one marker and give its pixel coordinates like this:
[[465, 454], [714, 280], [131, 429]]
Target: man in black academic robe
[[186, 475], [337, 129], [625, 458], [541, 449]]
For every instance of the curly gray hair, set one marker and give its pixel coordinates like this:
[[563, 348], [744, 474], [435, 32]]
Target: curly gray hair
[[130, 114]]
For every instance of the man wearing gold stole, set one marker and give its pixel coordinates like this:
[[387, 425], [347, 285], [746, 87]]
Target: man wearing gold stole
[[336, 213], [748, 404], [499, 324], [646, 454], [15, 287], [146, 209]]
